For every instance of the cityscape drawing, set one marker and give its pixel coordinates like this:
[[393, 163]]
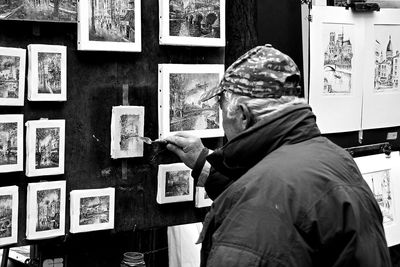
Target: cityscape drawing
[[112, 20], [94, 210], [195, 18], [338, 58], [177, 183], [387, 57], [187, 112], [380, 184], [49, 73], [48, 209], [42, 10], [9, 76], [129, 124], [8, 143], [5, 216], [47, 148]]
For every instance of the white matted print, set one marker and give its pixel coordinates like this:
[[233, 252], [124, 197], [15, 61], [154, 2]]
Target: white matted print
[[180, 109], [92, 210], [192, 22], [11, 142], [8, 215], [127, 123], [47, 73], [45, 210], [202, 199], [382, 175], [45, 147], [109, 26], [175, 183], [12, 76]]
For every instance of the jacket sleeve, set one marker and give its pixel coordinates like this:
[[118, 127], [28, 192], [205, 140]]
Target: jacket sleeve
[[216, 183]]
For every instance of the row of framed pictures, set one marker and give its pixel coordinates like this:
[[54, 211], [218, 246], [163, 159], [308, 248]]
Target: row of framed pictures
[[47, 74]]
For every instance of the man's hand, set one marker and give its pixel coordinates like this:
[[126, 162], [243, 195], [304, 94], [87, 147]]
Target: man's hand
[[186, 146]]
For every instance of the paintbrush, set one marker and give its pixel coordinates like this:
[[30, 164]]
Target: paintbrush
[[148, 140]]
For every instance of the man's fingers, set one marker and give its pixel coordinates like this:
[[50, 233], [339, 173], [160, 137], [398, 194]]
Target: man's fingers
[[178, 141], [177, 150]]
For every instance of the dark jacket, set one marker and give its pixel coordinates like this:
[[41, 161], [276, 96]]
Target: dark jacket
[[292, 198]]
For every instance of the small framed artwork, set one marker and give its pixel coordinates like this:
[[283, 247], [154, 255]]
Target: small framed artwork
[[45, 147], [8, 215], [175, 183], [127, 123], [382, 174], [202, 200], [45, 210], [47, 72], [192, 23], [106, 26], [11, 143], [12, 76], [180, 109], [92, 210]]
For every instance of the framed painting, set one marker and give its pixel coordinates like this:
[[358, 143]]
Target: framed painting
[[11, 143], [45, 147], [12, 76], [42, 10], [106, 26], [192, 22], [180, 109], [175, 183], [47, 73], [202, 200], [92, 210], [127, 123], [45, 210], [382, 174], [8, 215]]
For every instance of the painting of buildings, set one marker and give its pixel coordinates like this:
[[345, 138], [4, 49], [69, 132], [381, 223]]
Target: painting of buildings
[[48, 209], [338, 58], [41, 10], [129, 131], [387, 57], [8, 143], [47, 147], [6, 216], [94, 210], [9, 76], [177, 183], [49, 73]]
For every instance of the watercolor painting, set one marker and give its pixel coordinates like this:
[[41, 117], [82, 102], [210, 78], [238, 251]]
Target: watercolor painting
[[94, 210], [177, 183], [6, 220], [49, 70], [8, 143], [48, 207], [47, 148]]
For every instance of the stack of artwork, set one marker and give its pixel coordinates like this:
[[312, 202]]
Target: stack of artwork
[[8, 215]]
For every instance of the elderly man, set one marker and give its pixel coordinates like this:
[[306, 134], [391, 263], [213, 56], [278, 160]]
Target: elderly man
[[283, 194]]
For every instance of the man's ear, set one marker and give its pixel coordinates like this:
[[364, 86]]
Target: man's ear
[[246, 118]]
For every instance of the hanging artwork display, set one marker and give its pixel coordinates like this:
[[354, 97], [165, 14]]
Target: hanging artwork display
[[34, 10], [175, 183], [192, 22], [382, 175], [12, 76], [92, 210], [105, 26], [8, 215], [202, 200], [45, 147], [11, 142], [47, 73], [45, 210], [180, 109], [127, 123]]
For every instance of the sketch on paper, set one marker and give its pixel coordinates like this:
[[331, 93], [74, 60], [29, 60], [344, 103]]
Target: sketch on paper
[[94, 210], [6, 222], [338, 55], [187, 112], [387, 57], [380, 184], [9, 76], [49, 73], [48, 209], [47, 148], [42, 10], [8, 143], [195, 18], [177, 183], [129, 124]]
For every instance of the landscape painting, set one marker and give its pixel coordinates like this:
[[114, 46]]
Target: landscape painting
[[48, 207], [338, 66], [94, 210], [11, 141], [8, 215], [177, 183], [387, 58], [47, 148], [49, 70], [39, 10]]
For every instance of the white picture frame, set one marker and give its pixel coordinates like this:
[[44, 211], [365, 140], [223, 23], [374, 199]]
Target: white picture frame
[[127, 122], [130, 28], [11, 143], [202, 200], [92, 210], [47, 72], [9, 215], [177, 101], [12, 76], [190, 25], [175, 183], [382, 174], [45, 210], [45, 147]]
